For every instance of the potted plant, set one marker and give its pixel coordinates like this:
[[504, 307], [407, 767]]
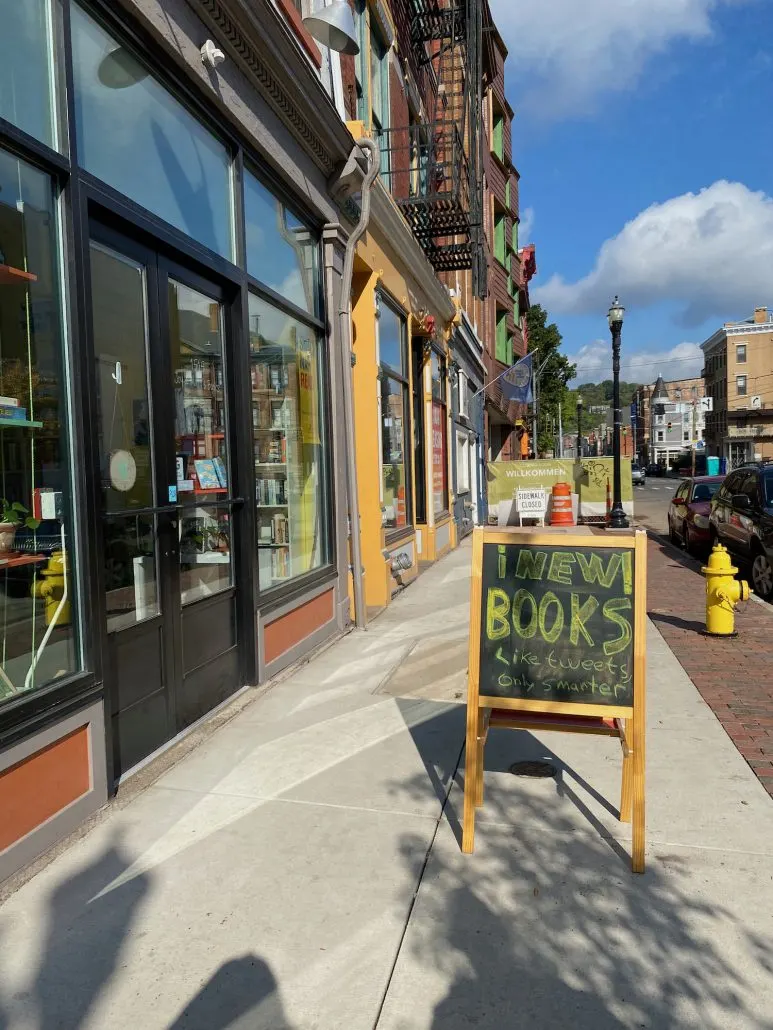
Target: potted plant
[[14, 515]]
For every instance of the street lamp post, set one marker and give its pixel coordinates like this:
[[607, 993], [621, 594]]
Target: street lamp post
[[579, 426], [617, 519]]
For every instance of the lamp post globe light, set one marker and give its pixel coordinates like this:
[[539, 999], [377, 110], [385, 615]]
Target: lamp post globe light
[[579, 426], [617, 519]]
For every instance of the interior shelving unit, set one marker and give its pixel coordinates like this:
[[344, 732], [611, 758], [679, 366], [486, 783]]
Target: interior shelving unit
[[272, 418]]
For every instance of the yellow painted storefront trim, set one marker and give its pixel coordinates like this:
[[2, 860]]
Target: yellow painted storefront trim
[[375, 270]]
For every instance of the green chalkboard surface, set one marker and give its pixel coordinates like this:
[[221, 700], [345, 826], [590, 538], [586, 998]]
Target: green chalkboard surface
[[557, 623]]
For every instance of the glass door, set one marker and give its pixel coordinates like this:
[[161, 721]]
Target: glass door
[[167, 503]]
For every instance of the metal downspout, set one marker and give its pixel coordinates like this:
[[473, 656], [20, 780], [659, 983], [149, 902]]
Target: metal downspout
[[347, 358]]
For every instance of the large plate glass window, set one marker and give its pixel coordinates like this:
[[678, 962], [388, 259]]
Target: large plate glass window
[[287, 378], [135, 136], [26, 68], [395, 418], [201, 447], [37, 543], [439, 436], [282, 252], [118, 290]]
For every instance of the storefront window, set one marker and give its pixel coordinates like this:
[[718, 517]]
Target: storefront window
[[281, 250], [26, 59], [37, 631], [395, 423], [201, 447], [126, 455], [291, 464], [439, 437], [135, 136]]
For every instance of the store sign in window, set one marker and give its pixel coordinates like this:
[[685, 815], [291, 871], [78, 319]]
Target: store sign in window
[[37, 541]]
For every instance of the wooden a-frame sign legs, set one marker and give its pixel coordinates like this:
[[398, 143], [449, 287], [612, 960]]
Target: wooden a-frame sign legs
[[625, 723]]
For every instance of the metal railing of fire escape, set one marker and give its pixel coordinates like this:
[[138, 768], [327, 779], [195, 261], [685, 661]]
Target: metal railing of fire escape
[[434, 169]]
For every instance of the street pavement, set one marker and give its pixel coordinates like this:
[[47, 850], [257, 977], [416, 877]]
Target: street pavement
[[301, 869], [651, 501]]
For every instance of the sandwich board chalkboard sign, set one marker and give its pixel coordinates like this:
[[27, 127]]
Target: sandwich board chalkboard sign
[[557, 641]]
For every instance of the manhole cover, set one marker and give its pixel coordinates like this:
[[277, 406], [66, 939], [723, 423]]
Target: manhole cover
[[538, 770]]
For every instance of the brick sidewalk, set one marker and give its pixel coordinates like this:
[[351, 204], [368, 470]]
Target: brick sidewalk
[[732, 674]]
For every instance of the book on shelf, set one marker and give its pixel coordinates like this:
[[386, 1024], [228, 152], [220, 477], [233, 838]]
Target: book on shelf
[[206, 472], [270, 450], [280, 564], [13, 411], [280, 529], [270, 491], [222, 475], [9, 402]]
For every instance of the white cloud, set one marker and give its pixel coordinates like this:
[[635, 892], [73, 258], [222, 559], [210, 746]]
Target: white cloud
[[594, 363], [526, 227], [570, 54], [710, 252]]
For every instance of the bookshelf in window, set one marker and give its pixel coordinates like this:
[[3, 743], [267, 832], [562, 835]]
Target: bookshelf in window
[[10, 276], [273, 380]]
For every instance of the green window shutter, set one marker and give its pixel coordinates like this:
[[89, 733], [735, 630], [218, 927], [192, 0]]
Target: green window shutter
[[502, 342], [499, 238], [507, 194], [509, 350], [499, 136], [510, 285], [516, 309], [515, 234]]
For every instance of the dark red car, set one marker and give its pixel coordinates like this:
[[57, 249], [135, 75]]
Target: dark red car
[[688, 513]]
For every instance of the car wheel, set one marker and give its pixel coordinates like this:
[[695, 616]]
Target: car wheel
[[672, 534], [762, 576]]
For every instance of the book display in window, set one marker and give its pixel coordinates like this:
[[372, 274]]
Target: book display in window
[[199, 396], [273, 417]]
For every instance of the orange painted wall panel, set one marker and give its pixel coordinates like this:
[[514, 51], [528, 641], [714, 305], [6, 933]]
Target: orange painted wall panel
[[290, 629], [41, 785]]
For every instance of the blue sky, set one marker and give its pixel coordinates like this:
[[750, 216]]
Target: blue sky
[[644, 139]]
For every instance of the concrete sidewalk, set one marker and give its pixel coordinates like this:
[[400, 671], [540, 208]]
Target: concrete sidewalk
[[300, 870]]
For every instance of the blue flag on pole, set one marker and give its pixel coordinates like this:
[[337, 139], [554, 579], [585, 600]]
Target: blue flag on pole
[[517, 381]]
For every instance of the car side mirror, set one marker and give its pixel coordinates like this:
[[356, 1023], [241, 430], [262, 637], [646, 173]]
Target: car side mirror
[[741, 501]]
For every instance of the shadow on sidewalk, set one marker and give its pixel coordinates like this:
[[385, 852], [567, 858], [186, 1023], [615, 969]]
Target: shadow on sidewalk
[[242, 995], [84, 946], [547, 921], [81, 945], [693, 625]]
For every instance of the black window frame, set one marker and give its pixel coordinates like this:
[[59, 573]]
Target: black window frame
[[385, 371], [442, 399], [81, 195]]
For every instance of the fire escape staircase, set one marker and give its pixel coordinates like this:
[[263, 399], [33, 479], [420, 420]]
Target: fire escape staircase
[[435, 168]]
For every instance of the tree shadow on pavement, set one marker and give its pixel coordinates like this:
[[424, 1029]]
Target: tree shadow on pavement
[[545, 925]]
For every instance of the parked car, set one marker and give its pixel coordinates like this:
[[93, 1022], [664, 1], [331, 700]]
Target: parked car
[[655, 470], [689, 511], [638, 475], [742, 519]]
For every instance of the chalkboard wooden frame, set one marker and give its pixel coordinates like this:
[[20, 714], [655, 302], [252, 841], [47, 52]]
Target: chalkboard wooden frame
[[626, 722]]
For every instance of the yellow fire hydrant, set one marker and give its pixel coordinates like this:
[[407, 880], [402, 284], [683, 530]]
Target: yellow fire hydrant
[[51, 588], [723, 592]]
